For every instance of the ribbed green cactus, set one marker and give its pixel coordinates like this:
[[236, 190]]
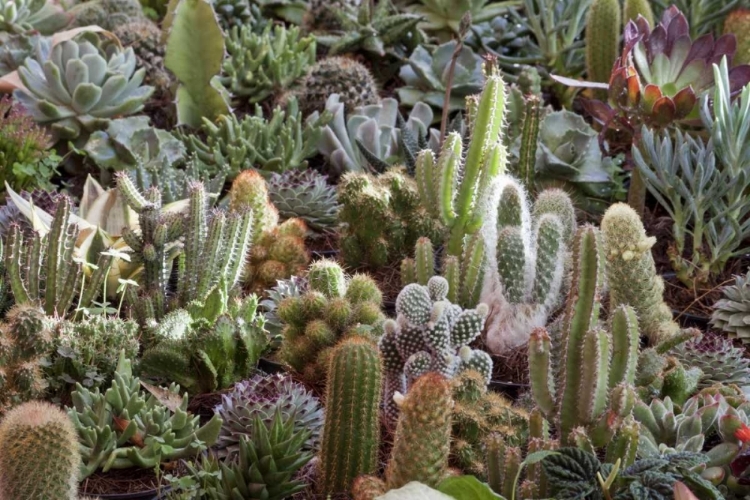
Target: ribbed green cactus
[[351, 435], [631, 272], [456, 203], [523, 277], [422, 441], [503, 463], [40, 458], [529, 136], [603, 26], [430, 334], [634, 8], [41, 268], [592, 392], [26, 338]]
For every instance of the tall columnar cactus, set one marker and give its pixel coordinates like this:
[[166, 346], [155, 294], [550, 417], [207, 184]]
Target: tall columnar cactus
[[430, 334], [603, 28], [40, 458], [250, 191], [592, 392], [631, 272], [529, 138], [525, 262], [41, 268], [351, 434], [634, 8], [423, 434], [451, 187], [26, 337]]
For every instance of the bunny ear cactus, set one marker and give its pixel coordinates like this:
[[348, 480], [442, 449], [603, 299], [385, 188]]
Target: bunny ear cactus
[[195, 61], [78, 89]]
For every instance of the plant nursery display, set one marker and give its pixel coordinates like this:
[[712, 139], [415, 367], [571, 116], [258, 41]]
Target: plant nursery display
[[375, 250]]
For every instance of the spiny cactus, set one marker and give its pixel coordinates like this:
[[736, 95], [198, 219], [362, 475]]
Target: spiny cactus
[[631, 272], [351, 433], [634, 8], [525, 262], [107, 14], [603, 26], [144, 37], [332, 308], [592, 392], [430, 334], [422, 441], [260, 65], [381, 217], [40, 458], [72, 106], [26, 338], [125, 428], [351, 80], [250, 192], [455, 200], [42, 269], [278, 254], [306, 195]]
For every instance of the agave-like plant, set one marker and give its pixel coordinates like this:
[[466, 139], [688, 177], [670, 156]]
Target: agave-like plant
[[443, 17]]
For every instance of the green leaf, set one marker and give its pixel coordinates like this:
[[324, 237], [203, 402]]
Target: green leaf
[[467, 488]]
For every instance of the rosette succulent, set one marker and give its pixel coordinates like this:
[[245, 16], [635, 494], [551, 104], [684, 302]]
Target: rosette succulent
[[732, 312], [19, 16], [78, 90], [304, 194]]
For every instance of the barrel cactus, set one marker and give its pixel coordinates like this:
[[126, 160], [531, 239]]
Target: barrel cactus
[[78, 89]]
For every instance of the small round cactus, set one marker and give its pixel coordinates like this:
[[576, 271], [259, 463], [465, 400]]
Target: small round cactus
[[327, 277], [337, 75]]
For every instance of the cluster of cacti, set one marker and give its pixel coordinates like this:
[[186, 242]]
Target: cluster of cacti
[[584, 380], [67, 91], [26, 339], [125, 427], [331, 308], [730, 312], [41, 268], [381, 218], [144, 37], [305, 194], [260, 65], [351, 435], [280, 143], [87, 351], [206, 353], [279, 253], [107, 14], [351, 80], [631, 272], [524, 266], [40, 458], [430, 334], [264, 395]]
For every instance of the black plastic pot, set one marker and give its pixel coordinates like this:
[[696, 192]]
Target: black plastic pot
[[144, 495], [687, 320], [510, 389], [269, 366], [320, 254]]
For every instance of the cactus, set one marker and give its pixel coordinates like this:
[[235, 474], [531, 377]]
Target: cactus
[[593, 392], [631, 272], [107, 14], [351, 432], [525, 261], [456, 203], [144, 37], [40, 459], [26, 338], [422, 441], [368, 488], [430, 334], [278, 254], [250, 192], [529, 137], [381, 218], [124, 428], [603, 27], [331, 308], [260, 65], [41, 269], [195, 61], [634, 8]]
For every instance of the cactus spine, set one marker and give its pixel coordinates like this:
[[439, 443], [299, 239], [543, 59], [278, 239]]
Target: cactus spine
[[602, 38], [423, 434], [351, 434], [40, 457], [457, 204], [634, 8], [593, 392]]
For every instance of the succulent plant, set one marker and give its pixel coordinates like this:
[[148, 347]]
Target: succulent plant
[[375, 136], [260, 65], [430, 335], [43, 16], [40, 457], [381, 218], [239, 13], [425, 76], [499, 35], [280, 143], [17, 47], [277, 254], [304, 194], [106, 14], [444, 16], [144, 37], [292, 287], [703, 16], [250, 192], [719, 360], [737, 23], [77, 90], [322, 15], [125, 427], [351, 80], [602, 38], [264, 395], [729, 313]]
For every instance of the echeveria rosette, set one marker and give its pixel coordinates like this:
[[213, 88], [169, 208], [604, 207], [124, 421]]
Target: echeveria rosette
[[77, 89]]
